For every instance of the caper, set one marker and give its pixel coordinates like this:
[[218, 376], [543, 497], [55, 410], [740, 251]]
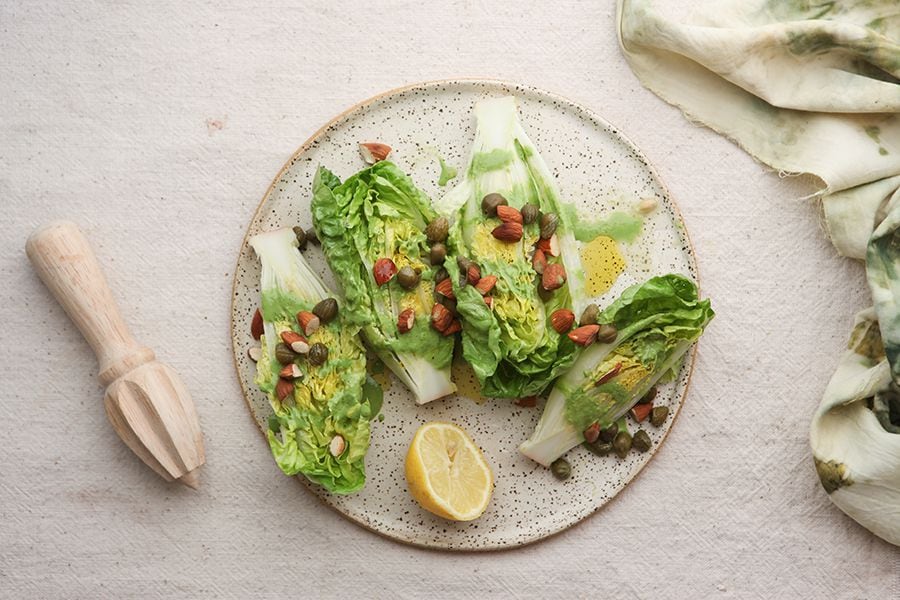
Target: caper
[[284, 355], [561, 468], [622, 444], [648, 397], [301, 238], [589, 316], [437, 230], [599, 447], [326, 310], [463, 263], [549, 221], [438, 253], [530, 213], [441, 275], [312, 237], [543, 293], [318, 354], [408, 278], [658, 415], [609, 434], [490, 203], [449, 303], [607, 334], [641, 441]]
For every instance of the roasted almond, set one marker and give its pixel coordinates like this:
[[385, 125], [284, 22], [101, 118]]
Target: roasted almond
[[373, 152], [584, 335], [640, 412], [384, 270], [562, 320], [283, 388], [473, 274], [290, 371], [549, 245], [337, 445], [508, 214], [527, 402], [508, 232], [609, 374], [554, 277], [445, 288], [486, 284], [441, 317], [489, 301], [539, 261], [256, 325], [309, 323], [592, 433], [254, 353], [295, 341], [406, 320], [455, 326]]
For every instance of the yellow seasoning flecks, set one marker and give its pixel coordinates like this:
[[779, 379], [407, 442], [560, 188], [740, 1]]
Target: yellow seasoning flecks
[[603, 263]]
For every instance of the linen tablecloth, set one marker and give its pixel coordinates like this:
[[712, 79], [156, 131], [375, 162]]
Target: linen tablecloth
[[158, 128]]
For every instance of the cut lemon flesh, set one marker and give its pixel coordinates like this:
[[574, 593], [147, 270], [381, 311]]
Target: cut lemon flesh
[[447, 474]]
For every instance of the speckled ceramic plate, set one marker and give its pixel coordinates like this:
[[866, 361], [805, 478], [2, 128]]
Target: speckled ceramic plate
[[598, 170]]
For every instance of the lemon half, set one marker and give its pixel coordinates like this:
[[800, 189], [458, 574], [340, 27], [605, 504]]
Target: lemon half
[[447, 474]]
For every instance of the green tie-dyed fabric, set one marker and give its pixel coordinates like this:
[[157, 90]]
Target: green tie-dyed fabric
[[811, 87]]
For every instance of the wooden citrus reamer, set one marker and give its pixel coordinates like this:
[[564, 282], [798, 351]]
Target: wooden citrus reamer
[[146, 401]]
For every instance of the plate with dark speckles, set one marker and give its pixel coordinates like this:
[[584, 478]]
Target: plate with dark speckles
[[597, 169]]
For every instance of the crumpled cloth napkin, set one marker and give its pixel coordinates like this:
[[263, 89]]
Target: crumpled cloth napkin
[[811, 86]]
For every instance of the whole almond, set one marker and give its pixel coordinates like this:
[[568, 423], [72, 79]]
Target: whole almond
[[508, 214], [539, 261], [309, 323], [373, 152], [554, 277], [592, 433], [406, 320], [283, 388], [445, 288], [562, 320], [508, 232], [290, 371], [441, 317], [486, 284], [549, 245], [383, 270], [256, 325], [295, 341], [473, 274], [584, 335]]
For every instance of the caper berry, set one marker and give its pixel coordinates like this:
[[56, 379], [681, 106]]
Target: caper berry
[[318, 354], [438, 253], [284, 355], [641, 441], [609, 434], [490, 203], [301, 238], [408, 278], [599, 447], [622, 444], [589, 316], [648, 397], [561, 468], [326, 310], [658, 415], [530, 213], [549, 221], [441, 275], [437, 230], [312, 237], [607, 334]]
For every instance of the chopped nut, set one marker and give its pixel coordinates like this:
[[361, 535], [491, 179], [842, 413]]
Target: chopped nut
[[373, 152]]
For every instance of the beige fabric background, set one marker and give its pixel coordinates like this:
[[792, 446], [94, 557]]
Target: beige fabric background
[[158, 126]]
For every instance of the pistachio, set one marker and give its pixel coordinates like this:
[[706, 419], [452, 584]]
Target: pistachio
[[438, 253], [326, 310], [318, 354], [641, 441], [284, 355], [530, 213], [549, 221], [589, 316], [437, 230], [490, 203], [408, 278], [301, 238]]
